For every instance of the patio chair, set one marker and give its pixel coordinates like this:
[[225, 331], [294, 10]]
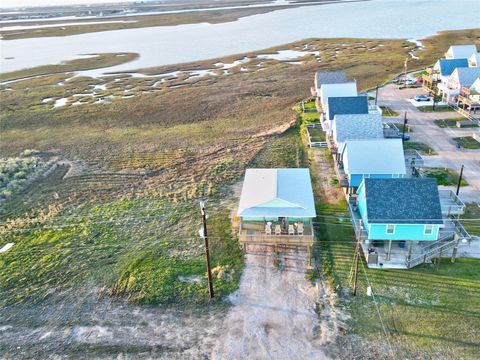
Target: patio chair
[[268, 229], [291, 230], [300, 228], [278, 230]]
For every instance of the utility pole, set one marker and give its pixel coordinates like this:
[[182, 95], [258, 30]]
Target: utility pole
[[207, 252], [459, 180], [376, 96], [404, 126], [405, 67], [356, 259]]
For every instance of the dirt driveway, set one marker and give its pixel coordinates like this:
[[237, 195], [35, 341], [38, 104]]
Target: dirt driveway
[[275, 312], [439, 139]]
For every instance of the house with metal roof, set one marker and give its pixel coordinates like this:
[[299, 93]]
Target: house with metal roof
[[355, 127], [276, 207], [395, 215], [460, 51], [372, 158]]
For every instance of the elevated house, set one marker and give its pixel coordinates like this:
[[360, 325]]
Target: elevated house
[[440, 73], [468, 101], [327, 77], [343, 105], [276, 208], [354, 127], [372, 158], [460, 51], [463, 77], [399, 219], [474, 60]]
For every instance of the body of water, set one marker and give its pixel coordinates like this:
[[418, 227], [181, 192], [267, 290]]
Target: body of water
[[409, 19]]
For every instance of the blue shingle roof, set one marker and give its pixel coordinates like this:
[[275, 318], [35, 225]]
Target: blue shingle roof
[[403, 201], [347, 105], [447, 66]]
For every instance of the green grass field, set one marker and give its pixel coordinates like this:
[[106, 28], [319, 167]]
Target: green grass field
[[446, 177], [386, 111], [467, 142], [422, 148], [472, 211], [317, 134], [424, 309], [438, 108], [452, 123]]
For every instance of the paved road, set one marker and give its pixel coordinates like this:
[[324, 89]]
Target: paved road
[[439, 139]]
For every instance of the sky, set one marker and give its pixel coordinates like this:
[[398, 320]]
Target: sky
[[23, 3]]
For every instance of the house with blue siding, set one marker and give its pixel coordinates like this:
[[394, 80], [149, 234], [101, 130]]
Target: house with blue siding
[[395, 212], [372, 158]]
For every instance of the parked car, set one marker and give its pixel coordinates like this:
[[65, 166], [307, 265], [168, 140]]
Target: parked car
[[410, 82], [422, 98]]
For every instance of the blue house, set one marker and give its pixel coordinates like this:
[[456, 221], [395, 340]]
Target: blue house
[[399, 211], [372, 158]]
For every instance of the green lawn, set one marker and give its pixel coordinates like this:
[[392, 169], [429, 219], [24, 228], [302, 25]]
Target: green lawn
[[452, 123], [422, 148], [438, 108], [419, 73], [467, 142], [444, 176], [424, 310], [310, 105], [316, 134], [472, 211], [386, 111]]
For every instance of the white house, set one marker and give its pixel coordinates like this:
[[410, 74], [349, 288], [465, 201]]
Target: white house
[[460, 51], [475, 91], [474, 60], [460, 78], [445, 68], [337, 90]]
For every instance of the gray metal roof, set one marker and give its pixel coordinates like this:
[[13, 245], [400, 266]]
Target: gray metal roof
[[403, 201], [330, 77], [347, 105], [467, 76], [357, 127]]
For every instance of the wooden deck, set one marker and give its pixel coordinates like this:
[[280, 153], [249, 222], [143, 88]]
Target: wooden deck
[[254, 233]]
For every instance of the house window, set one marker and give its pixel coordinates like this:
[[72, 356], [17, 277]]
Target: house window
[[390, 229], [428, 230]]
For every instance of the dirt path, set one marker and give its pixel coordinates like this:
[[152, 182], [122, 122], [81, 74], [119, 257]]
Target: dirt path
[[329, 192], [274, 314]]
